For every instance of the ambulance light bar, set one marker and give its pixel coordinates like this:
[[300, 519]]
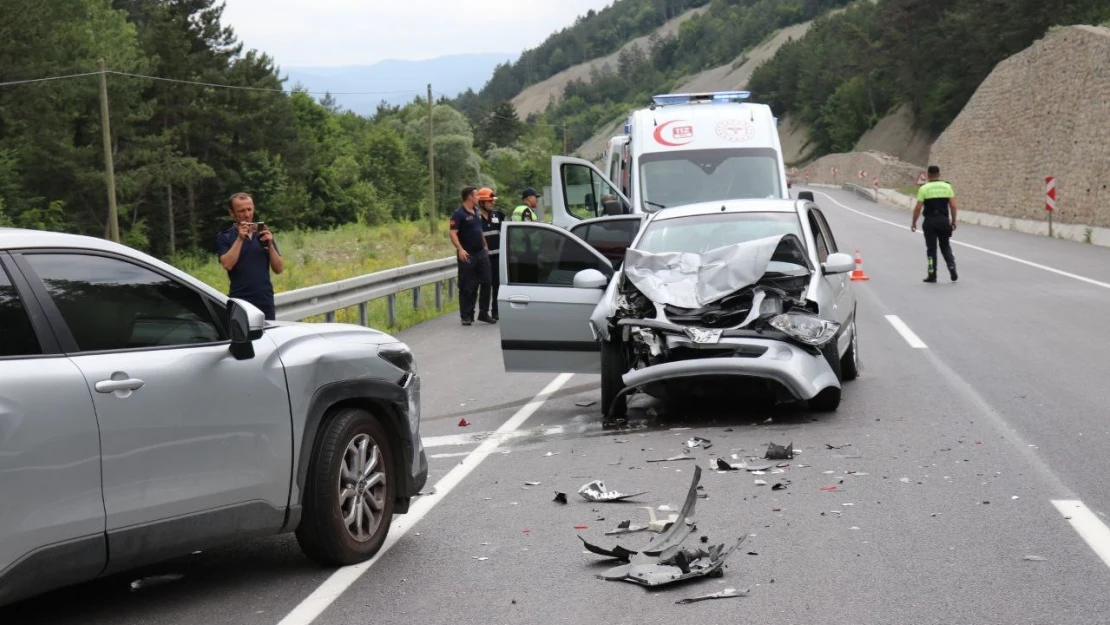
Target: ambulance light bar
[[689, 98]]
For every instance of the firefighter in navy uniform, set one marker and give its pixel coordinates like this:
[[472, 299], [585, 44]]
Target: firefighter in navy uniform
[[937, 200], [473, 256], [492, 218]]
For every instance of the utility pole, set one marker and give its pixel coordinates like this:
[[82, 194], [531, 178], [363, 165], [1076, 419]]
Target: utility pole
[[431, 168], [564, 138], [109, 171]]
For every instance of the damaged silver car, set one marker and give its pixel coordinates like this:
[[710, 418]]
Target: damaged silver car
[[741, 298]]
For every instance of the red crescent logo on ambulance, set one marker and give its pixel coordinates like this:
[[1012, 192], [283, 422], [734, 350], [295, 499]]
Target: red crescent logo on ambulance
[[677, 136]]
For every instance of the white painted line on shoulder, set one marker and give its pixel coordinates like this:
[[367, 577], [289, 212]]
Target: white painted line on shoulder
[[1059, 272], [1088, 525], [474, 438], [906, 332], [314, 605]]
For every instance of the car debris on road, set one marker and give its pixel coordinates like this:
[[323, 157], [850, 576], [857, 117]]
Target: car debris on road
[[664, 561], [596, 491]]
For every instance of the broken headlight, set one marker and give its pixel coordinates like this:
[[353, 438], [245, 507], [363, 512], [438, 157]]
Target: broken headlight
[[809, 329]]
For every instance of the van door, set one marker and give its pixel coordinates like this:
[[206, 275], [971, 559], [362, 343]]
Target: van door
[[580, 191]]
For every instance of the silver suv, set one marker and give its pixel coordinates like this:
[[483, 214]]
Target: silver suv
[[143, 415]]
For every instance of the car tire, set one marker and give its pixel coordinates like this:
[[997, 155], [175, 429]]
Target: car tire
[[349, 492], [849, 364], [827, 400], [614, 406]]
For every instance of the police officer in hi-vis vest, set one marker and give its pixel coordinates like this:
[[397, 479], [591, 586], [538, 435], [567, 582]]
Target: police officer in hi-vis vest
[[937, 199]]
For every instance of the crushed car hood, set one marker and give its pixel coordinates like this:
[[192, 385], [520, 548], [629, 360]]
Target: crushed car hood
[[692, 280]]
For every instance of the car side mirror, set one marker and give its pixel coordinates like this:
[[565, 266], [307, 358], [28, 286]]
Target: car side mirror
[[838, 263], [806, 195], [590, 279]]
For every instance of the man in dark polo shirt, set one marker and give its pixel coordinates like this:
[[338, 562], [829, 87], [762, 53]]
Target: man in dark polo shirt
[[248, 253], [473, 257]]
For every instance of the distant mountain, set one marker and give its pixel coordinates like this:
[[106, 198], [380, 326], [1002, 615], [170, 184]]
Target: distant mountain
[[449, 75]]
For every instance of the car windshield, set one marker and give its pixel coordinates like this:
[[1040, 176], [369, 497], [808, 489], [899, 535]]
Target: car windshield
[[686, 177], [698, 234]]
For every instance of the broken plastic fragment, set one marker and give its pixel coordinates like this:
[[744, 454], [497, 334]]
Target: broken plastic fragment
[[673, 459], [779, 486], [727, 593], [828, 488], [595, 491], [761, 482], [532, 483], [463, 423], [560, 497], [779, 452], [905, 480], [480, 559], [585, 403], [724, 465], [698, 441], [1035, 559]]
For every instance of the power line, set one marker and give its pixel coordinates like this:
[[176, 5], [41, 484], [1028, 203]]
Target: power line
[[202, 84], [48, 78]]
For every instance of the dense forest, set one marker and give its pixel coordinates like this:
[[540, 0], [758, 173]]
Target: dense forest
[[852, 67], [195, 117]]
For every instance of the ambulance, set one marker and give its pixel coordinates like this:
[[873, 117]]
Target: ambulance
[[684, 148]]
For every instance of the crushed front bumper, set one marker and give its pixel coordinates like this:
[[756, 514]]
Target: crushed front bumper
[[804, 373]]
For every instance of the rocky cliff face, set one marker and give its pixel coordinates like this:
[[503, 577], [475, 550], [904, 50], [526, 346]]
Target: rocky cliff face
[[1042, 112]]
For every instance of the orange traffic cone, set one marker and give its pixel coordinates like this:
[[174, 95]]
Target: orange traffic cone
[[857, 273]]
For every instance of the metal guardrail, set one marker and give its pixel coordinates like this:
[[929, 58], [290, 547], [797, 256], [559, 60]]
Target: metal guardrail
[[860, 191], [327, 299]]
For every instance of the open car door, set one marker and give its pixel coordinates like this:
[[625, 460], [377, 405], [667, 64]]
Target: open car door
[[580, 191], [551, 281]]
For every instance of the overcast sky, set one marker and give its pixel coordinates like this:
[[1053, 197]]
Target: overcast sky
[[361, 32]]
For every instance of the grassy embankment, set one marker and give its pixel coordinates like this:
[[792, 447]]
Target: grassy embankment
[[352, 250]]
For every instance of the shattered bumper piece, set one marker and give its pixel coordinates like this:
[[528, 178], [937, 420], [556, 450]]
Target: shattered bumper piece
[[595, 491]]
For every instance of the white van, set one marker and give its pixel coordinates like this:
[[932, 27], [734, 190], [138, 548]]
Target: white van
[[683, 149]]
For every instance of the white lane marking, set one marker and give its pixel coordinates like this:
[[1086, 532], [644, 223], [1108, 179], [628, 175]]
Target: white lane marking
[[1059, 272], [479, 437], [906, 332], [1088, 525], [330, 590]]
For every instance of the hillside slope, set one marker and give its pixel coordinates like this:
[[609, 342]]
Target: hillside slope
[[535, 98], [733, 76]]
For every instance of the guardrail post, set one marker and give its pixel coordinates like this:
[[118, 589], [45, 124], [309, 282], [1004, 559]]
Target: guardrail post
[[362, 315], [416, 298], [450, 288], [439, 295], [329, 316], [391, 302]]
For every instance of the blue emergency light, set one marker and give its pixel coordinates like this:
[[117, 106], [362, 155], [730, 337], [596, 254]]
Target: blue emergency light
[[671, 99]]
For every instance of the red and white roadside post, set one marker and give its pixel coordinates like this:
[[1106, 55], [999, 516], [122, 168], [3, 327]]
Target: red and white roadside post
[[834, 172], [1050, 199]]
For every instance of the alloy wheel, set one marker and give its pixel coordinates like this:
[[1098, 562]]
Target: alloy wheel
[[362, 488]]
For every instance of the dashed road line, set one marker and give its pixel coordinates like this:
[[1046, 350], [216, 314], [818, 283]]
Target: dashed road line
[[906, 332], [1087, 524]]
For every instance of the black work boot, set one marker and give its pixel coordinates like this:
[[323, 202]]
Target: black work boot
[[931, 277], [952, 273], [484, 317]]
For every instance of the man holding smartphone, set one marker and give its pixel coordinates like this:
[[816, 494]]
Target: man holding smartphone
[[248, 252]]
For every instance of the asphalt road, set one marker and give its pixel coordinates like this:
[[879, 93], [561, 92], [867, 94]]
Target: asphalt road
[[946, 459]]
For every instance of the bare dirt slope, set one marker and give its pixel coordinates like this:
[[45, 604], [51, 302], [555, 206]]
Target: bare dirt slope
[[735, 75], [534, 99], [1042, 112], [895, 135]]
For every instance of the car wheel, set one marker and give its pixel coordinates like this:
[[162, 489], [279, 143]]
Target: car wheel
[[349, 492], [613, 368], [826, 401], [850, 365]]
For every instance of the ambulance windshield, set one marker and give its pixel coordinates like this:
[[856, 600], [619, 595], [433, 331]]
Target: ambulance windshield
[[686, 177]]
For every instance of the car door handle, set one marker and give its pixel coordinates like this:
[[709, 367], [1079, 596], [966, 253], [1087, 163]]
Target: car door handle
[[111, 386], [519, 299]]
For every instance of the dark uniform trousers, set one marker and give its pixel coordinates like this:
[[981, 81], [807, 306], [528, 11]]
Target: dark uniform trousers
[[473, 273], [938, 230], [487, 291]]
